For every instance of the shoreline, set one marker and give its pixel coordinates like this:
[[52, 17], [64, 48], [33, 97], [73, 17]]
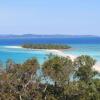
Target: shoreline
[[57, 52], [16, 47], [53, 51], [97, 66], [61, 53]]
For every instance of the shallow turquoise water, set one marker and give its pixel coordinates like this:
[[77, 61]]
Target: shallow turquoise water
[[85, 49], [19, 55]]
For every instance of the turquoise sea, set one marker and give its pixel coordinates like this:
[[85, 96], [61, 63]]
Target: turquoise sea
[[80, 46], [19, 55], [85, 49]]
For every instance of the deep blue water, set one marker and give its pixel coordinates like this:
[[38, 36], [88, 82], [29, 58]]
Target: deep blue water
[[81, 46], [76, 40]]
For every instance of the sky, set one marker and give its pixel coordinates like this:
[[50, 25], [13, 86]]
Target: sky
[[70, 17]]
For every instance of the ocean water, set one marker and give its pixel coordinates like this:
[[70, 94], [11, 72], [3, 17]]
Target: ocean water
[[74, 40], [80, 46], [92, 50], [19, 55]]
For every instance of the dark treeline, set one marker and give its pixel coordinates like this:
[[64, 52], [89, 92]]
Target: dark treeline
[[46, 46], [61, 79]]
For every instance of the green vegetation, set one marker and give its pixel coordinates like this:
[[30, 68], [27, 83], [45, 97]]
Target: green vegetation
[[46, 46], [70, 80]]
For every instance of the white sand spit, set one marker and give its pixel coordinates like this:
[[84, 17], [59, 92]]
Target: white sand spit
[[97, 66], [13, 47], [61, 53]]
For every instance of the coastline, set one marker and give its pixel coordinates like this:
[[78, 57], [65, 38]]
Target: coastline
[[59, 53], [53, 51], [97, 66], [16, 47]]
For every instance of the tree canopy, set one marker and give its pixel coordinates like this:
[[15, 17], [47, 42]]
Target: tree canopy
[[46, 46], [21, 82]]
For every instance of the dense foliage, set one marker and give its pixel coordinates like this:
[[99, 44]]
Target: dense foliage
[[61, 79], [46, 46]]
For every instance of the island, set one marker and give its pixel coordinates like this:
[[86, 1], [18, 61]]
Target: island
[[46, 46]]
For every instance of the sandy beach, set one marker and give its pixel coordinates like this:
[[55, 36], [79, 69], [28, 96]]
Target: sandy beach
[[13, 47], [61, 53], [97, 66]]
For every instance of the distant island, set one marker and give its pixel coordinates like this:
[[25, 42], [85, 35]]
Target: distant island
[[46, 46], [43, 36]]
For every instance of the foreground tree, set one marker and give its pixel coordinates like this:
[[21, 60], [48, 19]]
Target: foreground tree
[[84, 68], [20, 81], [85, 73], [59, 69], [17, 82]]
